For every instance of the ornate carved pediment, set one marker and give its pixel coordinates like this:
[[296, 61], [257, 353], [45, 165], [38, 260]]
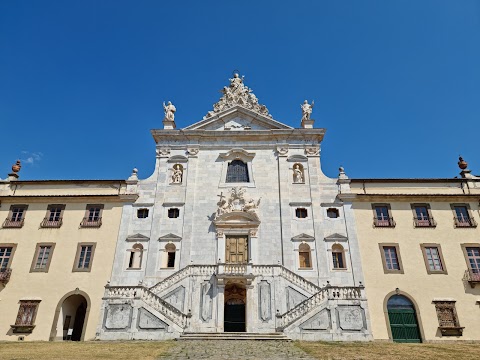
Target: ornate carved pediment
[[238, 94]]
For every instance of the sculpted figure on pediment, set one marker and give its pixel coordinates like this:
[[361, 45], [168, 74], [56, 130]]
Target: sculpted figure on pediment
[[238, 94], [236, 202]]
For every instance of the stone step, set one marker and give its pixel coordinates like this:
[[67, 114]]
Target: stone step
[[233, 336]]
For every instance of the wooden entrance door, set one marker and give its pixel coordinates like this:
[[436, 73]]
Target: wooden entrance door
[[403, 320], [236, 249]]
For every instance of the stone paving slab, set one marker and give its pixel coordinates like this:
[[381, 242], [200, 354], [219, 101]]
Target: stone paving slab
[[235, 350]]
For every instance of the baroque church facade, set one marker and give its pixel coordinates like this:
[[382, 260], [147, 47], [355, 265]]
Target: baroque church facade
[[237, 230]]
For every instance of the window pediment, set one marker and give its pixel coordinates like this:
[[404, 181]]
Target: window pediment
[[138, 237], [177, 159], [237, 154], [303, 237], [336, 237], [297, 158], [169, 237]]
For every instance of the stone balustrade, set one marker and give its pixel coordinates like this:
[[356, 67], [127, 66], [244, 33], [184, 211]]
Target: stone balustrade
[[321, 297], [149, 298], [279, 270], [182, 274]]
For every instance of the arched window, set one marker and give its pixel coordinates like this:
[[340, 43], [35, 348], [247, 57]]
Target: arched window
[[170, 250], [338, 255], [237, 172], [304, 256], [136, 254]]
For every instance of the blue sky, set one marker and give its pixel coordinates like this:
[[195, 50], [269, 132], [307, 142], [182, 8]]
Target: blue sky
[[395, 83]]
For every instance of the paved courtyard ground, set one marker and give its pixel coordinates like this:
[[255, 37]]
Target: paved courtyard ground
[[233, 350]]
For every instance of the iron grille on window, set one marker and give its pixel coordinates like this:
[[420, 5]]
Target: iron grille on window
[[237, 172]]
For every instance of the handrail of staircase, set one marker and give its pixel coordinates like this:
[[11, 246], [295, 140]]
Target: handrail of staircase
[[326, 293], [151, 299], [289, 275], [180, 275]]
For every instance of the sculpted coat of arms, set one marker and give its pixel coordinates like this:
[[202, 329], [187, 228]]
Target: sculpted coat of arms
[[236, 202]]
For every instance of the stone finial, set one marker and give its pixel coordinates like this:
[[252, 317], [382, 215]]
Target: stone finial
[[465, 173], [15, 169], [133, 179], [462, 164], [341, 173]]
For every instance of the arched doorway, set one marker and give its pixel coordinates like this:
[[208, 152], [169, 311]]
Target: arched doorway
[[234, 310], [403, 319], [71, 317]]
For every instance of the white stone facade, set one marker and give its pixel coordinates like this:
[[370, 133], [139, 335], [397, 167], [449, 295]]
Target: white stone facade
[[172, 273]]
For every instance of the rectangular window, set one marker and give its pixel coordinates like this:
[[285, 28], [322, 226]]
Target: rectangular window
[[16, 216], [301, 213], [432, 254], [84, 257], [26, 316], [171, 259], [462, 216], [392, 262], [43, 257], [173, 213], [382, 215], [6, 256], [433, 258], [338, 260], [422, 216], [6, 253], [93, 216], [472, 256], [142, 213], [54, 217], [447, 318]]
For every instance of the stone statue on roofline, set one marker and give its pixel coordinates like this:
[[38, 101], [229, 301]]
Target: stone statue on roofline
[[307, 110], [169, 111]]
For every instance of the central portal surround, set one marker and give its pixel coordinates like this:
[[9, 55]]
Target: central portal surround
[[235, 308]]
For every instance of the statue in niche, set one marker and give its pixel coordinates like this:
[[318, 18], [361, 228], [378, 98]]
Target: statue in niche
[[169, 111], [297, 175], [307, 110], [177, 174]]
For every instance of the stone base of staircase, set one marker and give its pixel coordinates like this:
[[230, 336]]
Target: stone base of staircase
[[234, 336]]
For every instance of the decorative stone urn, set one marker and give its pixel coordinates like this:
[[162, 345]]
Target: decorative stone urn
[[16, 167], [462, 164]]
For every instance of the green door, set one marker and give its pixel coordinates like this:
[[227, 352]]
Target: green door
[[403, 323]]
